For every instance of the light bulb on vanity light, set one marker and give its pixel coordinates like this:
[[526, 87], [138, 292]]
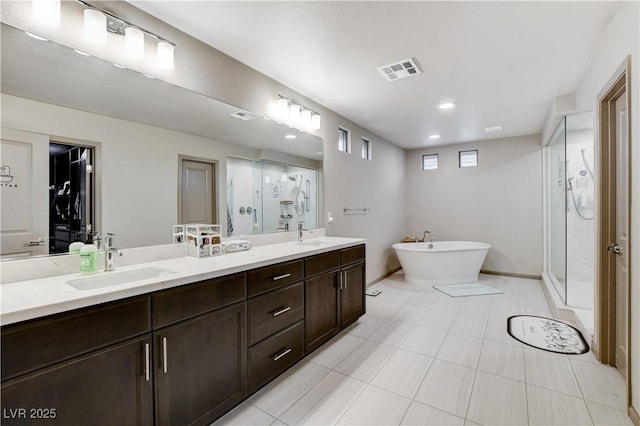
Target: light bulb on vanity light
[[316, 121], [282, 108], [47, 12], [305, 118], [294, 113], [95, 26], [134, 42], [165, 55]]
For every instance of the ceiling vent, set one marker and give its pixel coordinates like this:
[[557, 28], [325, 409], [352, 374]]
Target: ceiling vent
[[399, 70], [244, 115]]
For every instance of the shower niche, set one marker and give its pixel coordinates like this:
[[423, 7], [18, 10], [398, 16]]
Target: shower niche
[[265, 197], [570, 229]]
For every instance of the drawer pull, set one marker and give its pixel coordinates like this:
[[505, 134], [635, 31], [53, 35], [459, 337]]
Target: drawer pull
[[279, 277], [147, 362], [164, 354], [345, 280], [281, 311], [281, 354]]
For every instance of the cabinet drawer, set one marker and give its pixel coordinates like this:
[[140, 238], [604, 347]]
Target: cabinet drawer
[[274, 355], [320, 263], [188, 301], [271, 277], [352, 255], [42, 342], [273, 311]]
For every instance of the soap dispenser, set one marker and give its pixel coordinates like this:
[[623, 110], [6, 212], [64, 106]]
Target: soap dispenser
[[88, 259]]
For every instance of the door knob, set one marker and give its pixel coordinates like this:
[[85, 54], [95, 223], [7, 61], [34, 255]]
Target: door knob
[[615, 248]]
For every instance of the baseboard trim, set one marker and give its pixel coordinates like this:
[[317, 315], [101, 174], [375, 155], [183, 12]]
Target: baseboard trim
[[512, 274], [382, 277], [635, 417]]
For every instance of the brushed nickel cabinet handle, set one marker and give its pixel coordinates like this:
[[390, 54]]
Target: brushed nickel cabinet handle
[[281, 354], [345, 279], [164, 354], [279, 277], [147, 362], [281, 311]]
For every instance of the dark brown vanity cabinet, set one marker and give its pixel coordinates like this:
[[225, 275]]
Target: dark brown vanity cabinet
[[276, 329], [334, 293]]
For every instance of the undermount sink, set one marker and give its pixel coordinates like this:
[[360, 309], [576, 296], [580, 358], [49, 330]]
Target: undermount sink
[[106, 279], [314, 243]]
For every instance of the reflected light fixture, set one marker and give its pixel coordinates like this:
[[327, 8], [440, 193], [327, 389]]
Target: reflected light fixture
[[294, 113], [305, 118], [134, 42], [165, 55], [316, 121], [282, 107], [95, 26], [47, 12]]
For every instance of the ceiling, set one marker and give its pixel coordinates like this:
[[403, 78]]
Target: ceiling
[[501, 63]]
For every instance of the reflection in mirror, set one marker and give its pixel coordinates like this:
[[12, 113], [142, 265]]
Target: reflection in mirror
[[138, 128], [265, 196]]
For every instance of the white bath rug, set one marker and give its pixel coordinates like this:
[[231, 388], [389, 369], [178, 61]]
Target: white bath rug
[[547, 334], [463, 290]]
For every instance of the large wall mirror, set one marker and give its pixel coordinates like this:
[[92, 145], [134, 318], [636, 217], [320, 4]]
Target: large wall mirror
[[118, 137]]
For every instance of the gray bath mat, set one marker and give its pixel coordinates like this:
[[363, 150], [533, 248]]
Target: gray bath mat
[[464, 290], [547, 334]]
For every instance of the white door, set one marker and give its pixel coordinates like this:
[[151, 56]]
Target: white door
[[197, 203], [622, 234], [24, 193]]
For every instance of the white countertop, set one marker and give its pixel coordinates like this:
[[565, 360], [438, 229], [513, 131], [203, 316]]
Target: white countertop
[[24, 300]]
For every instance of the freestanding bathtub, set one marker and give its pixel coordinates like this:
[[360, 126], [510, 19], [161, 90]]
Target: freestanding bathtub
[[441, 262]]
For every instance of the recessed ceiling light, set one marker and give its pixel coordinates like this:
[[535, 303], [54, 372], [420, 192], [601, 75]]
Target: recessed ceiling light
[[81, 52], [447, 105], [493, 129], [290, 136], [434, 136], [37, 37]]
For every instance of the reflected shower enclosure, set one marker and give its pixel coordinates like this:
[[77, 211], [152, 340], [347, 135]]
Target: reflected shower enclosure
[[266, 197], [570, 191]]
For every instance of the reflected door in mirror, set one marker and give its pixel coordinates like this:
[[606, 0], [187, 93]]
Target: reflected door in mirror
[[197, 192]]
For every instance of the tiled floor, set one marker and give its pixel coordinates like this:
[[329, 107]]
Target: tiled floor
[[421, 357]]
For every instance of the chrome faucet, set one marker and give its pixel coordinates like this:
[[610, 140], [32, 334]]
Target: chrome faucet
[[109, 252], [424, 236], [300, 229], [284, 228]]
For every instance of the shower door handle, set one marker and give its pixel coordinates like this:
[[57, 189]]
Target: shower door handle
[[615, 248]]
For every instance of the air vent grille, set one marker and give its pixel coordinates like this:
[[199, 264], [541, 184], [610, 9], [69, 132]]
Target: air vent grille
[[399, 70], [244, 115]]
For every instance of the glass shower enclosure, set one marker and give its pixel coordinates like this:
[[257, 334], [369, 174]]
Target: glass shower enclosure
[[570, 230]]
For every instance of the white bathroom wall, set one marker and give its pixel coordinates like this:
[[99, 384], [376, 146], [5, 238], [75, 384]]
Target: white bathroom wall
[[498, 202], [622, 40]]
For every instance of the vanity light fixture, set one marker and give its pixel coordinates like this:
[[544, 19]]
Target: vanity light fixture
[[282, 107], [316, 121], [95, 26], [296, 115], [447, 105], [47, 12], [134, 42], [305, 118], [165, 55]]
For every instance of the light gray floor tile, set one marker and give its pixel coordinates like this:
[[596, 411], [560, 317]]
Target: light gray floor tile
[[438, 318], [552, 408], [376, 406], [603, 415], [279, 395], [366, 326], [403, 373], [477, 306], [601, 383], [393, 332], [366, 360], [245, 414], [497, 332], [447, 387], [469, 325], [502, 360], [460, 349], [550, 371], [420, 414], [334, 351], [424, 340], [326, 402], [496, 400], [411, 313]]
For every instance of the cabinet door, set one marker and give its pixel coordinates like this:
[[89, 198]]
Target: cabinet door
[[109, 387], [352, 294], [321, 309], [200, 369]]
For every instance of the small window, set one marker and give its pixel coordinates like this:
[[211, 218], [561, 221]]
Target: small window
[[344, 142], [430, 162], [468, 158], [366, 149]]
